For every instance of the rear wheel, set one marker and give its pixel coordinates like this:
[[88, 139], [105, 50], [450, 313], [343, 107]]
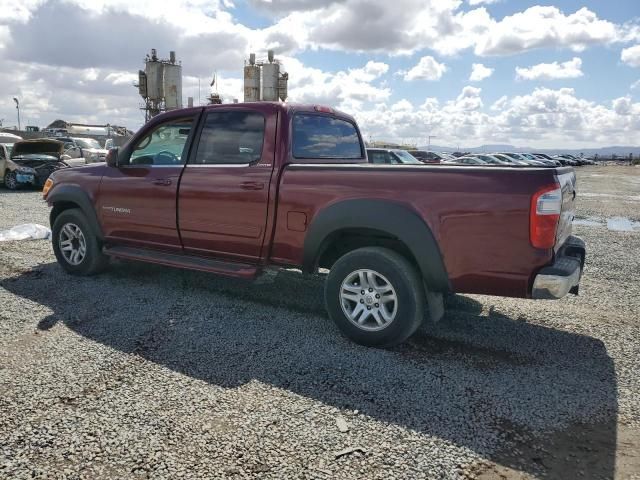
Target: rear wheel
[[375, 297], [76, 247], [10, 180]]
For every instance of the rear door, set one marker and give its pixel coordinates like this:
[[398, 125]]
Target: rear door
[[224, 190]]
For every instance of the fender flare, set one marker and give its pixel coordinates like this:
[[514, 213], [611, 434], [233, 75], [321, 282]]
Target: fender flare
[[66, 194], [392, 218]]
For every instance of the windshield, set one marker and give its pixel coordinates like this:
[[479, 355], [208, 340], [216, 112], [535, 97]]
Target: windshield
[[406, 157], [87, 143]]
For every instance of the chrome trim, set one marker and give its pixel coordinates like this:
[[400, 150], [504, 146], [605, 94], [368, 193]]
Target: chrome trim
[[215, 165], [151, 166], [553, 287]]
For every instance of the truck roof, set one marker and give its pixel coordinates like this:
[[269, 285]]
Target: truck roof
[[287, 108]]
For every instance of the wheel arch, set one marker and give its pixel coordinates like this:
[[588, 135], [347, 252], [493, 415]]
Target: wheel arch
[[351, 224], [66, 197]]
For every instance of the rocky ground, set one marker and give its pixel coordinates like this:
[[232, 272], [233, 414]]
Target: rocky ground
[[151, 372]]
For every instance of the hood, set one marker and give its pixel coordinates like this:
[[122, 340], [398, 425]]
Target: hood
[[50, 148]]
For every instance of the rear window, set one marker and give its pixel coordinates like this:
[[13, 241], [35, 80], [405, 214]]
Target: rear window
[[319, 136]]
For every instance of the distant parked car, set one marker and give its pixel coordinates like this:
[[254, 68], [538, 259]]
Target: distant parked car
[[567, 160], [548, 162], [491, 159], [522, 158], [467, 160], [88, 148], [430, 157], [508, 159], [391, 156]]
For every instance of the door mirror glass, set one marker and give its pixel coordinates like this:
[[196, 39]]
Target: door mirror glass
[[112, 157]]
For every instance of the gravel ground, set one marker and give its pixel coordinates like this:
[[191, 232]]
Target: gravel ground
[[151, 372]]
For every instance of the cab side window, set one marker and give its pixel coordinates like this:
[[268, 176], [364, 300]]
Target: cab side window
[[378, 157], [164, 145], [233, 137]]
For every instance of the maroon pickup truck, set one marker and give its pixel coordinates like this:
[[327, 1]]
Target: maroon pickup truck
[[233, 189]]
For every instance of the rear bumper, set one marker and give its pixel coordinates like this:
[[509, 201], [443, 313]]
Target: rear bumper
[[563, 276]]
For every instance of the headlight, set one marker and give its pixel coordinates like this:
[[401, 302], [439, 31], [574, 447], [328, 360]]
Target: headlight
[[25, 170]]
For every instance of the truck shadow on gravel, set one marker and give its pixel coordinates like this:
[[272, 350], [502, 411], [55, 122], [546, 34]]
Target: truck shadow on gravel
[[527, 397]]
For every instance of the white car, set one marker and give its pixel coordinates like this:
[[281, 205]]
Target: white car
[[87, 148], [91, 150]]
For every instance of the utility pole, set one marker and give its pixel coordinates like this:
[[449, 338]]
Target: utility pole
[[429, 142], [18, 108]]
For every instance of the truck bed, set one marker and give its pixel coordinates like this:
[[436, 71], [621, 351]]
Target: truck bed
[[478, 215]]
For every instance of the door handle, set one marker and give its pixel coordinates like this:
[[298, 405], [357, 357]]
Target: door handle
[[165, 182], [252, 185]]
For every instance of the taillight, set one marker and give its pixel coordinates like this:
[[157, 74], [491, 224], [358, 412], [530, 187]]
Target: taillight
[[546, 206]]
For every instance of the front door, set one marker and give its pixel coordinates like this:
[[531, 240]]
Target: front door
[[137, 201], [224, 191]]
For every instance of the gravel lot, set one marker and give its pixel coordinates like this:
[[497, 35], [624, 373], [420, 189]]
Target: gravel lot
[[151, 372]]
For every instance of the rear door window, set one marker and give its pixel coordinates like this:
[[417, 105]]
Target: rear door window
[[321, 136], [378, 157], [231, 138]]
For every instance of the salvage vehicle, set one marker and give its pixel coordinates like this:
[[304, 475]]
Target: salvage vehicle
[[32, 161], [5, 155], [234, 189], [391, 156]]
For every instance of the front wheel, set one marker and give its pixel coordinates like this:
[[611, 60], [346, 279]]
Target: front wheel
[[375, 297], [76, 247], [10, 180]]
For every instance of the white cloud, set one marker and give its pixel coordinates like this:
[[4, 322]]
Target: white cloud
[[479, 72], [542, 118], [631, 56], [427, 68], [635, 85], [347, 90], [481, 2], [551, 71], [622, 106], [547, 27]]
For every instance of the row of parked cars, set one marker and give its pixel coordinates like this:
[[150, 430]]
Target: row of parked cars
[[511, 159]]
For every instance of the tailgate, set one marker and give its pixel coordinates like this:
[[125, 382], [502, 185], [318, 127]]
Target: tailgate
[[568, 185]]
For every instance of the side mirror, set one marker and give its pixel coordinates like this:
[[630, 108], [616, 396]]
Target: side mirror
[[112, 157]]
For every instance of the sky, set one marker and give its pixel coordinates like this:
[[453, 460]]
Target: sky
[[546, 74]]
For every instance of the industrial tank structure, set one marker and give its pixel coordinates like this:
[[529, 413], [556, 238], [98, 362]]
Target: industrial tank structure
[[252, 80], [160, 84], [266, 74]]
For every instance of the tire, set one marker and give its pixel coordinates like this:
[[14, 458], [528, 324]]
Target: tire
[[385, 323], [72, 229], [10, 180]]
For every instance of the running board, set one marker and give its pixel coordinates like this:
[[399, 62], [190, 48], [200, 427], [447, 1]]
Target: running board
[[189, 262]]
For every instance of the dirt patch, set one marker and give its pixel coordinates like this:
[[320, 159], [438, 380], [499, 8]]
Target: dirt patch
[[591, 452]]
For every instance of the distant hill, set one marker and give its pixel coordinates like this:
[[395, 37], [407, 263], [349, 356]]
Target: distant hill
[[603, 151]]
